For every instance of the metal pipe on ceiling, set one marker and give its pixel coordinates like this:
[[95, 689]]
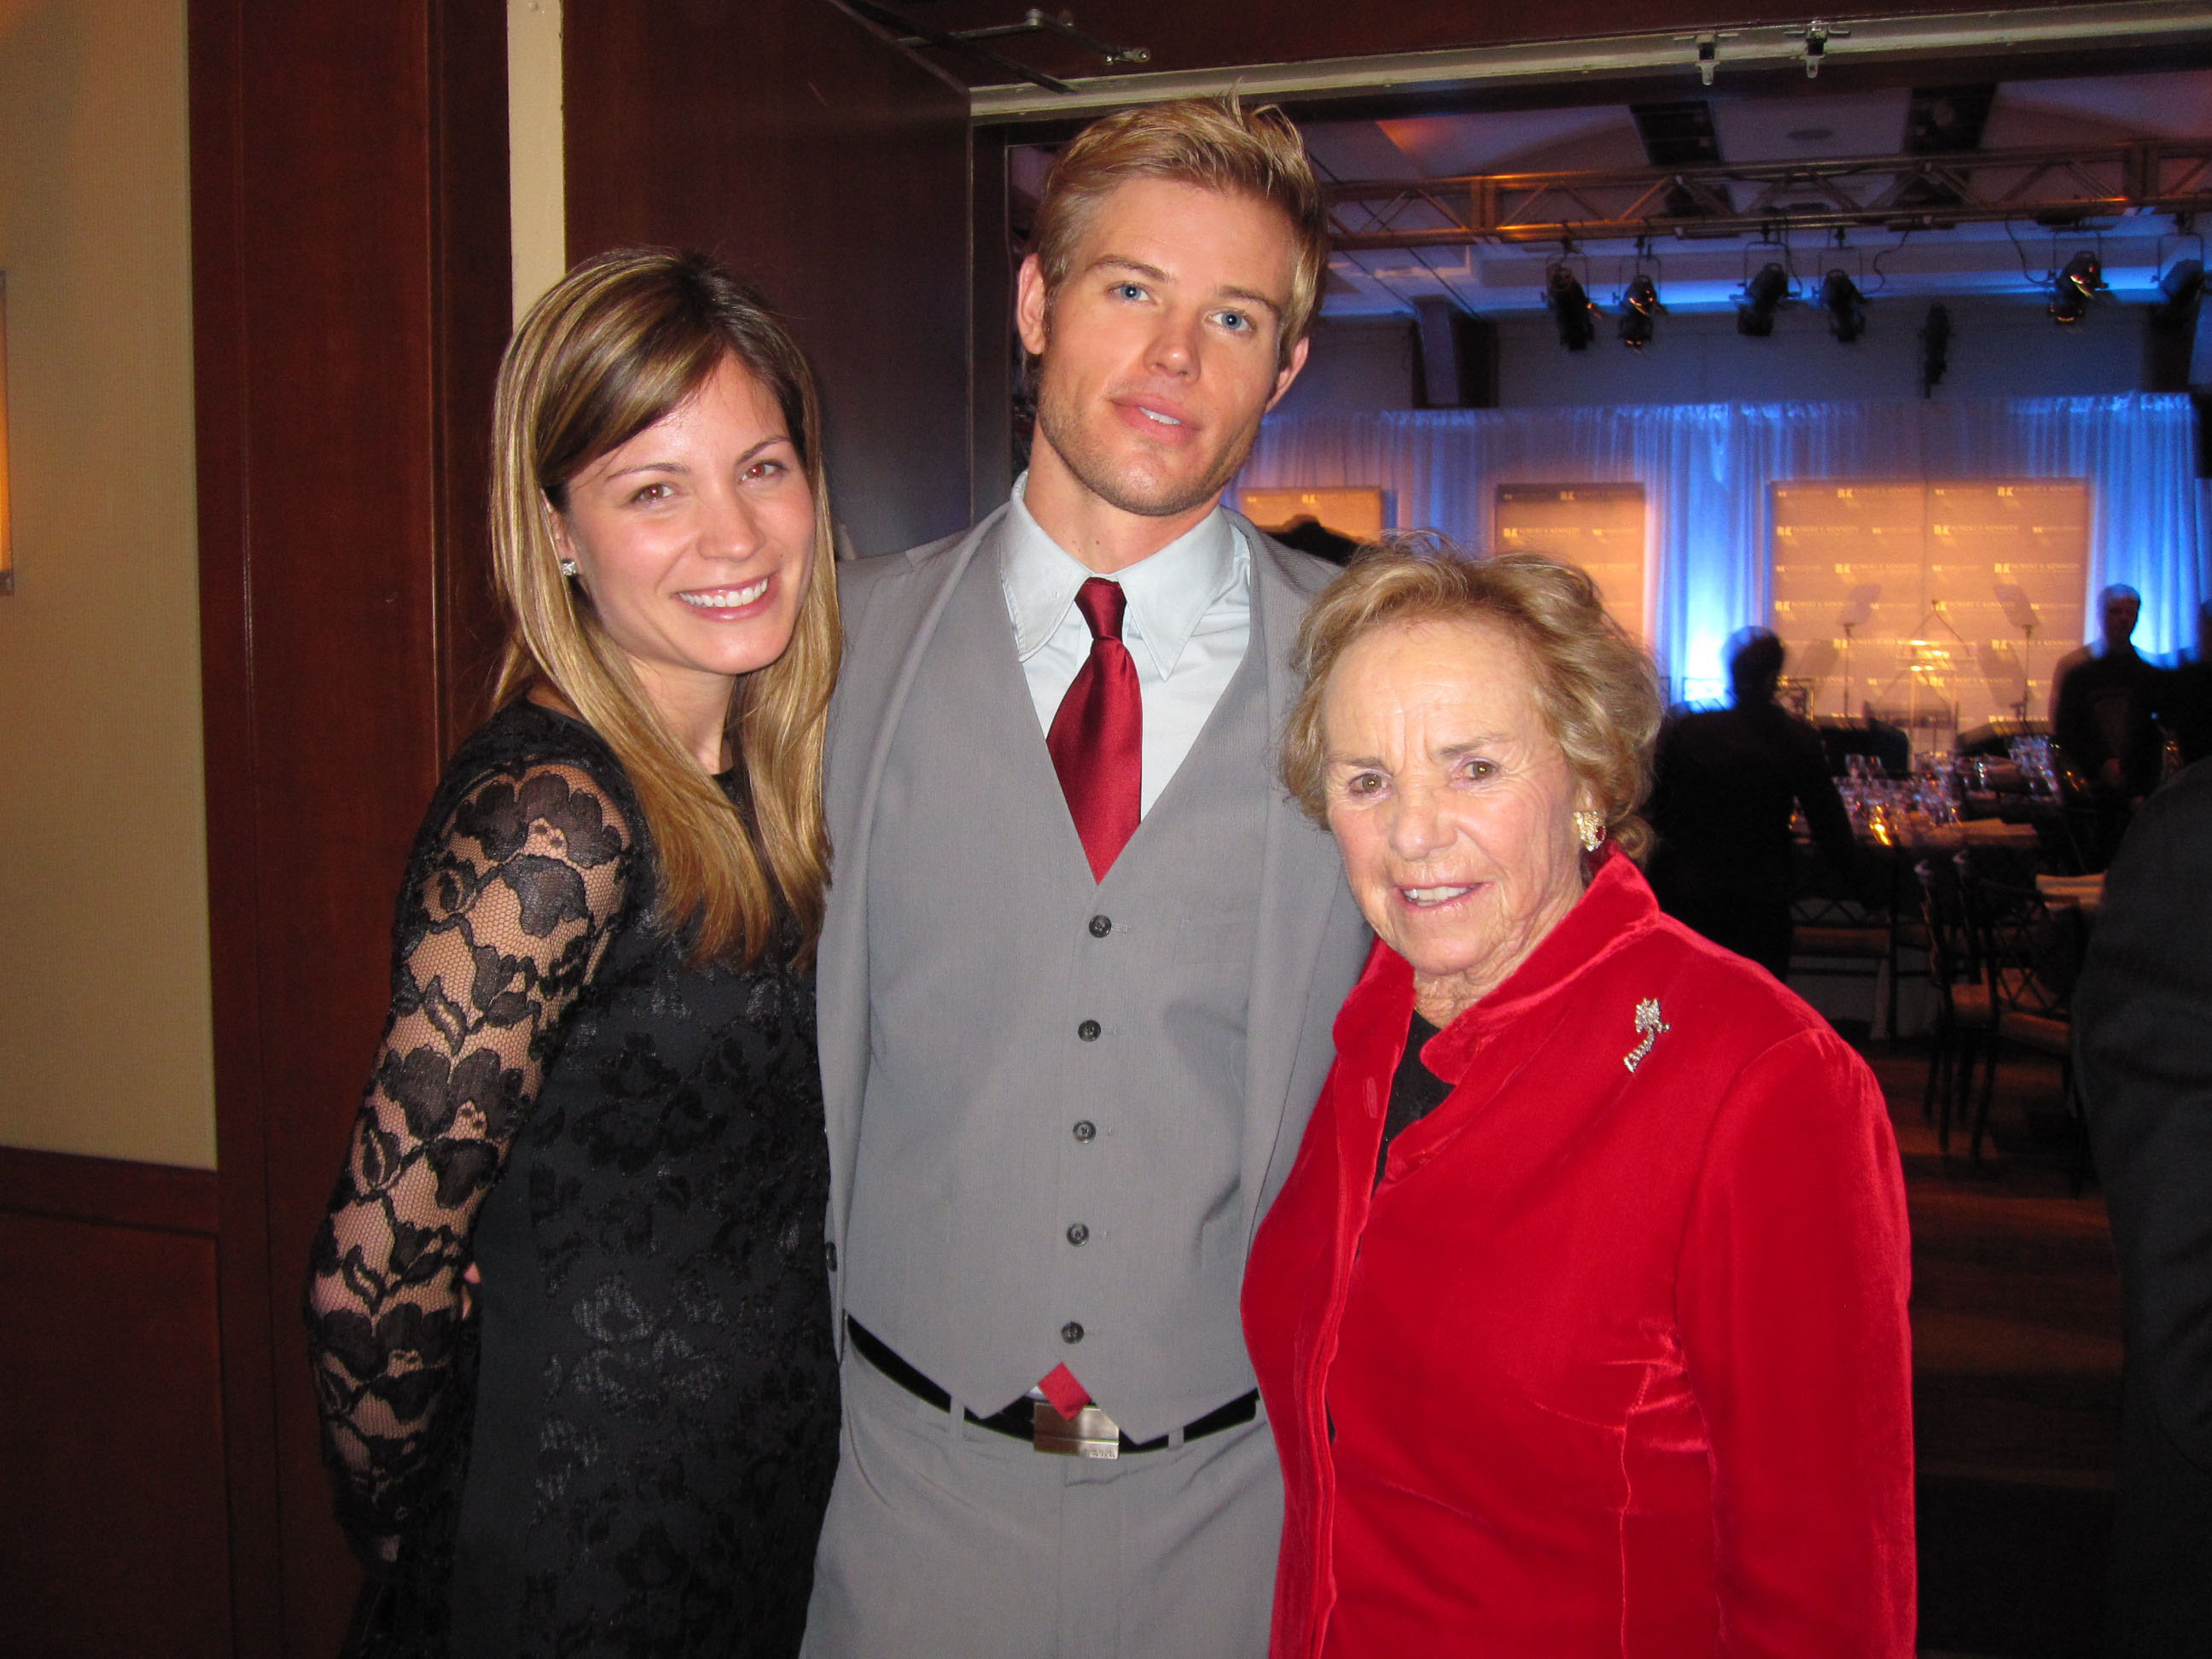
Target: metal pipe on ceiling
[[1994, 35]]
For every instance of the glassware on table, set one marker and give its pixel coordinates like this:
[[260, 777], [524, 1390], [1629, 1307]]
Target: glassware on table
[[2037, 764]]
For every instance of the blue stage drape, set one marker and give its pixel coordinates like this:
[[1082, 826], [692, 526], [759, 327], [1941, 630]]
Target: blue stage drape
[[1706, 469]]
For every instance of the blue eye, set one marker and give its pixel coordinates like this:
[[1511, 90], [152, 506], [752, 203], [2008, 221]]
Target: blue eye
[[1237, 322]]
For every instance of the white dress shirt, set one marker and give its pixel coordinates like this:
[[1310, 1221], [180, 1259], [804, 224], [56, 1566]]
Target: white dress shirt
[[1187, 619]]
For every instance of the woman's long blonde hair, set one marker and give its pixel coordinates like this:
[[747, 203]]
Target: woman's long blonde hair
[[617, 345]]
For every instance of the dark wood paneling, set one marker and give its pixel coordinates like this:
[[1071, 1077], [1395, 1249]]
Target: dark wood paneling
[[113, 1191], [215, 39], [471, 244], [350, 289], [991, 326], [794, 144], [112, 1492]]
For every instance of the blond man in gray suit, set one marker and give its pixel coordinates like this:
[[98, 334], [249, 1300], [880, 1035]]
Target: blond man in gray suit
[[1082, 954]]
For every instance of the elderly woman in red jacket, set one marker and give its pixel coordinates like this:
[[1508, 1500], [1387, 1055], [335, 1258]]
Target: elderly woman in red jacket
[[1581, 1319]]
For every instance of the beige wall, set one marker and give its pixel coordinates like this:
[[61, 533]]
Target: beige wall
[[105, 1044], [536, 176]]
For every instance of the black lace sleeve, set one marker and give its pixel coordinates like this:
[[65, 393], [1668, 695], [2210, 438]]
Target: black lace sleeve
[[513, 896]]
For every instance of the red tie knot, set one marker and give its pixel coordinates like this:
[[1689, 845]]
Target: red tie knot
[[1101, 603]]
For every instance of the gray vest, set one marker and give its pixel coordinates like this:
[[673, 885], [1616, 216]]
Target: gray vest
[[1076, 1173]]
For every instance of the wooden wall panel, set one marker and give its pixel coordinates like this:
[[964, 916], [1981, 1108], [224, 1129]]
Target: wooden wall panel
[[112, 1494], [797, 146], [994, 345], [351, 279]]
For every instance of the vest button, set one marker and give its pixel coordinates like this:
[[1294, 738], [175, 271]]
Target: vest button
[[1077, 1233], [1084, 1129], [1071, 1332], [1089, 1031], [1101, 926]]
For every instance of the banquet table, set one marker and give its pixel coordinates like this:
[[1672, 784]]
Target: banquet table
[[1921, 836]]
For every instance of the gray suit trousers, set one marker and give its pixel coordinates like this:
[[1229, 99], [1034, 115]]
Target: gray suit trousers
[[946, 1540]]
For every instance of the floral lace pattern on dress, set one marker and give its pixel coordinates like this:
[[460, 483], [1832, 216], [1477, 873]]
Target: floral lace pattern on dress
[[628, 1448], [507, 909]]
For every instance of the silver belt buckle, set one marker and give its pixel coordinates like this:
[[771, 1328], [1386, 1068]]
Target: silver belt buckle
[[1089, 1433]]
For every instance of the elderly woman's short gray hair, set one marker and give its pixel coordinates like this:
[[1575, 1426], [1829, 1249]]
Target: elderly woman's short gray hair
[[1594, 685]]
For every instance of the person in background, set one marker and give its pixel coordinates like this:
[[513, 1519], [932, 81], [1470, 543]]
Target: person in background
[[1309, 535], [2101, 709], [2118, 606], [598, 1079], [1581, 1321], [2143, 1032], [1727, 783], [1081, 954]]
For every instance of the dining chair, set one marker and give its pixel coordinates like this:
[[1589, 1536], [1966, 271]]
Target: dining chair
[[1964, 1017], [2031, 952], [1835, 934]]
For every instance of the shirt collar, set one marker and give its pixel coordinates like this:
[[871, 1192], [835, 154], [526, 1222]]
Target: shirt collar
[[1167, 593]]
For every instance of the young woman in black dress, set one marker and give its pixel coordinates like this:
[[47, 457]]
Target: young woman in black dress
[[598, 1082]]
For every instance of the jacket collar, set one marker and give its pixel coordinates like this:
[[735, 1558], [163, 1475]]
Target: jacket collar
[[1615, 911]]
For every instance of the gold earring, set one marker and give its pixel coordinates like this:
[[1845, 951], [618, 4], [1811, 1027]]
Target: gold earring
[[1590, 828]]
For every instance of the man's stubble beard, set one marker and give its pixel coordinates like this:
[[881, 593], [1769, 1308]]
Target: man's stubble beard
[[1094, 469]]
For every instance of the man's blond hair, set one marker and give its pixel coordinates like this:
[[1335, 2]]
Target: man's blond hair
[[1214, 143]]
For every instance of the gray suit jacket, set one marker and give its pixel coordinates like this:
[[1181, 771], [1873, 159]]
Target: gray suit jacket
[[1311, 939]]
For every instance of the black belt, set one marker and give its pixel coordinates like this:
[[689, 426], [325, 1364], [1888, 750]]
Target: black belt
[[1018, 1420]]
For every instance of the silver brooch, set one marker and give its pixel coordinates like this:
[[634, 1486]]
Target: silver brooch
[[1649, 1023]]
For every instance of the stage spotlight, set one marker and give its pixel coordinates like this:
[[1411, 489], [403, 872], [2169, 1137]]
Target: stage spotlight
[[1934, 347], [2182, 284], [1845, 305], [1763, 295], [1571, 308], [2081, 280], [1638, 305]]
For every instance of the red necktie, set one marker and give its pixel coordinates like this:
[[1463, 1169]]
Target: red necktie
[[1097, 747], [1067, 1395], [1097, 738]]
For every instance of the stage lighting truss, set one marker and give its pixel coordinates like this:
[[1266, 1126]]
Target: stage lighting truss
[[1570, 306], [2080, 282], [1758, 199]]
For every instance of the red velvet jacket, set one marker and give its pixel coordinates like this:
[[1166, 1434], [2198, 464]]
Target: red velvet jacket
[[1613, 1360]]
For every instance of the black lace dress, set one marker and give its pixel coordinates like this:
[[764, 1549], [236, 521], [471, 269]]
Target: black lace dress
[[628, 1449]]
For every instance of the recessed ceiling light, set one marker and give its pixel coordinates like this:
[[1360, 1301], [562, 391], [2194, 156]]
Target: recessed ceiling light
[[1810, 135]]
